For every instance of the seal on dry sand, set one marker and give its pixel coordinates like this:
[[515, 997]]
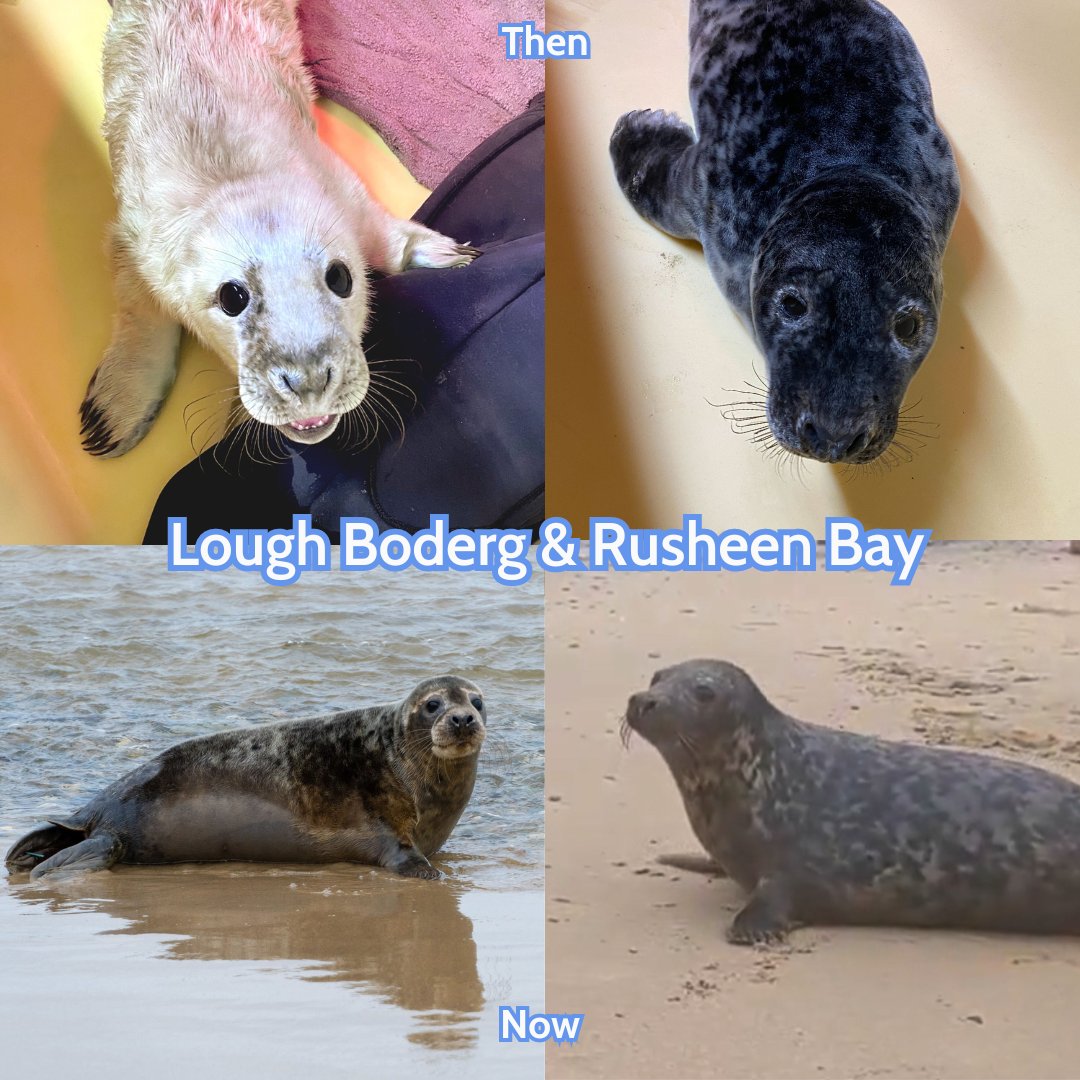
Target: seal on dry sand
[[823, 192], [383, 785], [831, 827], [235, 222]]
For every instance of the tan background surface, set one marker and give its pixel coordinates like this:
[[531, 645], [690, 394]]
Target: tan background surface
[[640, 339], [56, 292], [981, 651]]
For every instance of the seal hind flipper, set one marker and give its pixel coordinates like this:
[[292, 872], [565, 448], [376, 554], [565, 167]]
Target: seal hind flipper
[[41, 844], [96, 853], [695, 864], [649, 149]]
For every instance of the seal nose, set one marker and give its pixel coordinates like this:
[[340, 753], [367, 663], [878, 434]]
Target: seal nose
[[639, 704], [301, 381], [462, 723], [839, 445]]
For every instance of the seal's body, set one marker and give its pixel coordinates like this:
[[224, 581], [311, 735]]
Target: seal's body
[[823, 193], [825, 826], [235, 222], [383, 785]]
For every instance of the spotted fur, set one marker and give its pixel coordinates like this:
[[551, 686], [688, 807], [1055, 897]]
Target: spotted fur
[[383, 785], [826, 826], [815, 167]]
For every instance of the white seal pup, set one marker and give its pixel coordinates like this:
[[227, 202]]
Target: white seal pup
[[234, 222]]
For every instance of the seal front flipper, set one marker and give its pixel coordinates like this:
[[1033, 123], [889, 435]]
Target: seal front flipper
[[97, 853], [650, 150], [130, 385], [409, 861], [766, 917]]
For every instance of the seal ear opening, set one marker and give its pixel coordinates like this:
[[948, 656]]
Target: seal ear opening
[[41, 844]]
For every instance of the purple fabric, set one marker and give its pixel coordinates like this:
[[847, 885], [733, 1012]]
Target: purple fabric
[[431, 76]]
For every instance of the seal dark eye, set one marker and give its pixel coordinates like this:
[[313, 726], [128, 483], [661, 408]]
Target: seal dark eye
[[232, 298], [338, 279], [477, 704], [906, 327], [793, 305], [432, 705], [704, 692]]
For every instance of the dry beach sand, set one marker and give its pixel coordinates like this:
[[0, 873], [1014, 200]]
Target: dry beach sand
[[981, 651]]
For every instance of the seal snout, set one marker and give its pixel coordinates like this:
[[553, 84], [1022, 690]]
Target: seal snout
[[304, 382], [833, 443], [639, 704], [637, 718], [463, 724]]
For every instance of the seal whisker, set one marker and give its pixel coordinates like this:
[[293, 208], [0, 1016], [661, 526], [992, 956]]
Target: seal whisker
[[380, 399]]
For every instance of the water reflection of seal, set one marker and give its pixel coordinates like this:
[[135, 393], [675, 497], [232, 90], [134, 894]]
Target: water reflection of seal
[[823, 193], [412, 947], [383, 785], [824, 826]]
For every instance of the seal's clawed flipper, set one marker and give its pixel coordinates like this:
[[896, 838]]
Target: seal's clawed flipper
[[41, 844], [764, 920], [649, 149], [695, 864], [137, 372], [427, 248], [410, 862], [98, 853]]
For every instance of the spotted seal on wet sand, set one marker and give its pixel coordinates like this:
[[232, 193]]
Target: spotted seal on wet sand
[[235, 222], [831, 827], [383, 785], [823, 193]]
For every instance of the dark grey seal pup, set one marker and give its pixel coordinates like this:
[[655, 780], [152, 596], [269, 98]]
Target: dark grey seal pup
[[823, 192], [383, 785], [829, 827]]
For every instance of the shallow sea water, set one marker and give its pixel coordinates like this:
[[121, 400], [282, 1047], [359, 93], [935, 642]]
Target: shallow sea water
[[106, 659]]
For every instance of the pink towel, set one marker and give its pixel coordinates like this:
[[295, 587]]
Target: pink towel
[[431, 76]]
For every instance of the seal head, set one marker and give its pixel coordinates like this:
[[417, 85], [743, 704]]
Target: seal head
[[286, 308], [845, 293], [692, 710], [444, 716]]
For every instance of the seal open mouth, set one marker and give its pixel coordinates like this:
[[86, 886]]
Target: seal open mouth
[[312, 424], [311, 429]]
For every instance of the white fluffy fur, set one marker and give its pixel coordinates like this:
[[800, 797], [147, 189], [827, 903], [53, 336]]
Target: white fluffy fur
[[219, 176]]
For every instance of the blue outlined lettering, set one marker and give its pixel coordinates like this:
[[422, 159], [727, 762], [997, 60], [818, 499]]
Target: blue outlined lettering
[[279, 555], [282, 555], [504, 553], [517, 1024], [848, 546], [525, 42], [615, 546]]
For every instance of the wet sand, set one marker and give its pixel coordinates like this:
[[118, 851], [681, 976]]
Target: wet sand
[[302, 969], [982, 651]]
